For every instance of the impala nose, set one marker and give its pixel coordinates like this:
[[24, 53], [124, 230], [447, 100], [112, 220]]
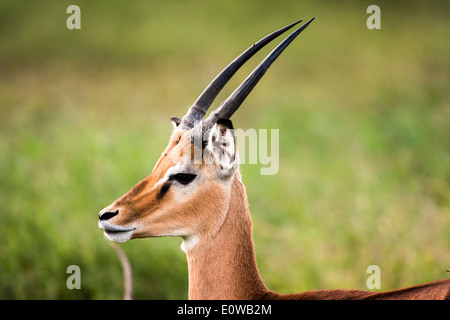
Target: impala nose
[[107, 215]]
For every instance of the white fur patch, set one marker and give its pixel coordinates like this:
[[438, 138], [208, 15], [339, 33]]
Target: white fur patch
[[222, 148], [172, 170], [189, 243]]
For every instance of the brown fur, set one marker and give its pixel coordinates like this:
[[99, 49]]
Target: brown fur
[[222, 265], [226, 267]]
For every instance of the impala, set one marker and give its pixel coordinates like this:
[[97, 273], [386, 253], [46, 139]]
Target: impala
[[195, 191]]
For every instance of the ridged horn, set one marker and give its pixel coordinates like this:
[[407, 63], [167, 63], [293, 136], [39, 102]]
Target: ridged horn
[[198, 110], [233, 102]]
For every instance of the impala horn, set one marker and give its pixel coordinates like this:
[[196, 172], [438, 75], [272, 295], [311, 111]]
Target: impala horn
[[198, 110]]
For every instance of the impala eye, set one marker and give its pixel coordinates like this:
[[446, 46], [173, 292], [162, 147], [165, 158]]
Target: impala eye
[[183, 178]]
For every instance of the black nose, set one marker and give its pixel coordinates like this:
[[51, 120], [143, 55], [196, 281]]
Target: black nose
[[107, 215]]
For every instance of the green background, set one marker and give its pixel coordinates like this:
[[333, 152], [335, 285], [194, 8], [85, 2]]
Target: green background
[[364, 174]]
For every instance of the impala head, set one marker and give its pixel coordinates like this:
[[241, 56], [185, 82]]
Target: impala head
[[188, 192], [182, 196]]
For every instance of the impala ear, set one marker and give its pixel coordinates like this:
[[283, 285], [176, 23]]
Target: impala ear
[[175, 121], [221, 147]]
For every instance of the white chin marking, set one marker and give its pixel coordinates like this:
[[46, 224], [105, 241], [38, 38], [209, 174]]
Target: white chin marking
[[118, 236], [189, 243]]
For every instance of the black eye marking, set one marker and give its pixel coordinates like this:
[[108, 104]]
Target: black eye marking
[[183, 178], [163, 190]]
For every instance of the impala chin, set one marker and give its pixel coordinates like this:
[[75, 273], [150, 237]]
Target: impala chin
[[116, 233]]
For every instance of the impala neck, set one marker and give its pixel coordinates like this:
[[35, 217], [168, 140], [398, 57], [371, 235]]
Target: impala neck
[[224, 266]]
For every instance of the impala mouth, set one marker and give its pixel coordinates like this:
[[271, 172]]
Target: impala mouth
[[116, 233]]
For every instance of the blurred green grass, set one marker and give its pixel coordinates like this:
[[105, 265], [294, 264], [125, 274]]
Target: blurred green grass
[[364, 173]]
